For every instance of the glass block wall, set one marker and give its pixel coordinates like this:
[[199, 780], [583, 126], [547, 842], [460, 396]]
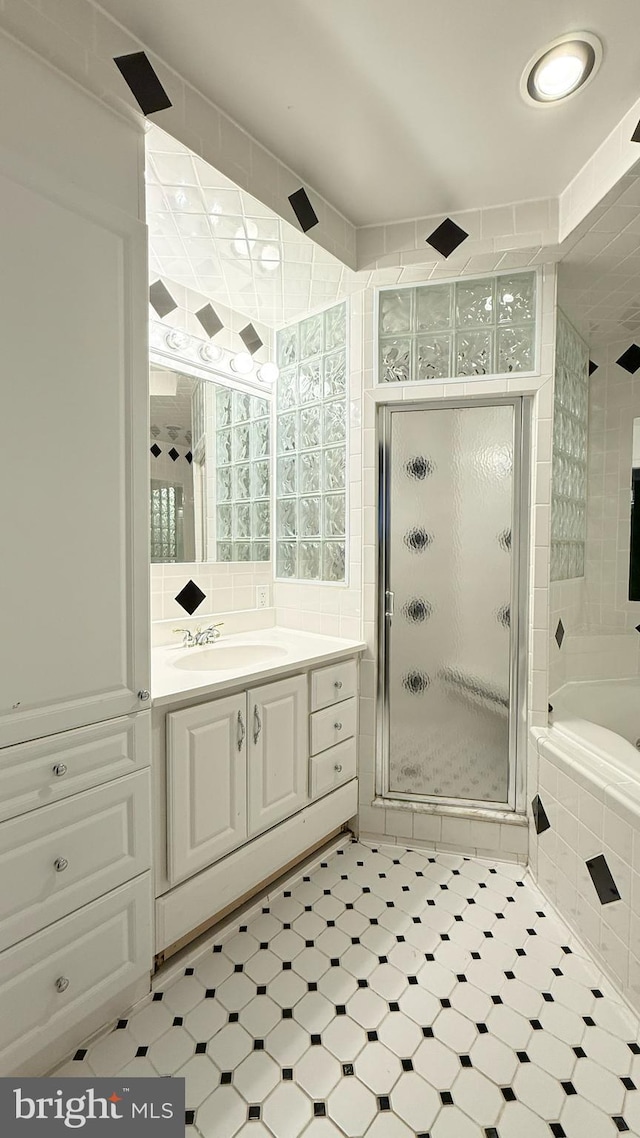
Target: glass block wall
[[569, 471], [243, 515], [464, 328], [311, 431]]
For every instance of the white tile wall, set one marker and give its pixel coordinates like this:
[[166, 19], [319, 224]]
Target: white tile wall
[[229, 586], [592, 811]]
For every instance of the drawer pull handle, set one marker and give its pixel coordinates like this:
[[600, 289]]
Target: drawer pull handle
[[338, 767], [62, 984], [144, 695], [337, 684], [338, 726], [60, 769], [241, 731], [60, 864]]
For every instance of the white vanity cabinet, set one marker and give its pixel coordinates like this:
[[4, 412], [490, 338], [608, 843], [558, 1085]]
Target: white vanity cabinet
[[206, 784], [278, 752], [245, 784]]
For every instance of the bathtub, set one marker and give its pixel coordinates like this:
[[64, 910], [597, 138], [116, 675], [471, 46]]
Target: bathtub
[[603, 717], [587, 821]]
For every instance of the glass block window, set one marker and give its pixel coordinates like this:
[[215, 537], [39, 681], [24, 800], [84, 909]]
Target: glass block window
[[463, 328], [242, 460], [311, 448], [569, 471], [166, 522]]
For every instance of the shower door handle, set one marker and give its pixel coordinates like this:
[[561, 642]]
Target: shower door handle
[[389, 598]]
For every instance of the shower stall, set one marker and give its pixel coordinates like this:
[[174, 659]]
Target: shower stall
[[453, 514]]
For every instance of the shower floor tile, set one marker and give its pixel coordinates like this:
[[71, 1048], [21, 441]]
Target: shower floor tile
[[389, 993]]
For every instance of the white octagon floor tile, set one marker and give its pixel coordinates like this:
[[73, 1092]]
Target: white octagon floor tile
[[387, 993]]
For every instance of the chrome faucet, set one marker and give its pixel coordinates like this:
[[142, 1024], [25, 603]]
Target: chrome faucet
[[200, 636]]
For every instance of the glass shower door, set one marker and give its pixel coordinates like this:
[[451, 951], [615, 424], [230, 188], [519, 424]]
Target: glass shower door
[[449, 602]]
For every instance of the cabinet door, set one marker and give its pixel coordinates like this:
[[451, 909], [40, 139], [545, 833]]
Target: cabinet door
[[73, 466], [278, 752], [206, 784]]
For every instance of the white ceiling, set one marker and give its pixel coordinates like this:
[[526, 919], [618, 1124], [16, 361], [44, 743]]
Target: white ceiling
[[216, 239], [402, 110]]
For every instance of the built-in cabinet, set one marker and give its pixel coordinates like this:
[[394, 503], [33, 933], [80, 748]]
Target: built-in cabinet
[[75, 882], [251, 780]]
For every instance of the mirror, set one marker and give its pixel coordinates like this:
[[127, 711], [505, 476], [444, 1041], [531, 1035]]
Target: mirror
[[210, 471], [634, 557]]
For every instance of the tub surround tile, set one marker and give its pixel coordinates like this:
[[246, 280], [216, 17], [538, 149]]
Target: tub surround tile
[[540, 818], [602, 878]]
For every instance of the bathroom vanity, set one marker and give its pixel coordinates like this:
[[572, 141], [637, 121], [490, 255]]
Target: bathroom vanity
[[254, 763]]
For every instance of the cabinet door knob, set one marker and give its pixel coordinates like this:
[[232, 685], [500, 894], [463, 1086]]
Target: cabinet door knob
[[60, 769], [143, 694], [60, 864], [338, 767], [62, 984], [338, 726], [337, 684]]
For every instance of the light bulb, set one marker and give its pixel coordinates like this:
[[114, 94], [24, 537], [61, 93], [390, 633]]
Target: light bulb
[[176, 340], [210, 352], [269, 372], [242, 363], [557, 76], [562, 68]]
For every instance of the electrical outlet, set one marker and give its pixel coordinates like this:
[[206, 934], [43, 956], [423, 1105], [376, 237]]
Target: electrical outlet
[[262, 596]]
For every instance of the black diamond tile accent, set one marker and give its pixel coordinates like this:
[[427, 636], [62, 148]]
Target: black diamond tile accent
[[635, 137], [557, 972], [445, 1002], [475, 956], [286, 965], [482, 1028], [592, 367], [258, 1045], [496, 999], [447, 237], [566, 949], [217, 948], [264, 944], [304, 212], [287, 1013], [226, 1077], [312, 986], [628, 1083], [372, 1036], [142, 81], [177, 1021], [407, 1065], [141, 1052], [536, 1025], [557, 1130], [569, 1088], [189, 1117], [383, 960], [446, 1098], [384, 1102], [510, 975], [238, 968], [412, 979], [603, 881], [579, 1053], [173, 454], [363, 983], [234, 1017], [253, 1113], [319, 1110], [465, 1061], [80, 1054], [597, 993], [316, 1040], [287, 1074], [191, 597], [189, 971], [210, 320], [523, 1057], [619, 1121], [157, 996], [394, 1006], [261, 990], [155, 450], [547, 997], [121, 1024], [347, 1069], [427, 1032], [559, 633], [250, 339], [507, 1094], [161, 299], [630, 360], [201, 1048], [341, 1010], [634, 1048], [540, 818]]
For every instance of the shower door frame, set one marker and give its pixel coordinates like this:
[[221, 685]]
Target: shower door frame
[[520, 526]]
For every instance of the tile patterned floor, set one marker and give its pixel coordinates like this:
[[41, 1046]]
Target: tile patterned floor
[[392, 994]]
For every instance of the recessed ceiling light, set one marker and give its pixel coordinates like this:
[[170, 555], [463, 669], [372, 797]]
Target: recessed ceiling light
[[561, 69]]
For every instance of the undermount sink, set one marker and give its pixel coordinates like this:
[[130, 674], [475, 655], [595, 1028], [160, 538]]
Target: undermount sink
[[222, 657]]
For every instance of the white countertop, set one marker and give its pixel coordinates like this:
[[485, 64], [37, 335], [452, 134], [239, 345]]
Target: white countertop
[[297, 651]]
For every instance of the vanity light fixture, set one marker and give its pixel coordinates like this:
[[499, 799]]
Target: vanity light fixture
[[561, 69], [242, 363], [210, 353], [176, 340], [269, 372]]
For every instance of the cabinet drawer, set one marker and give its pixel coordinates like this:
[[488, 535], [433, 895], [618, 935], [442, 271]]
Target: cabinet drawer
[[333, 725], [56, 859], [332, 684], [332, 768], [58, 977], [46, 770]]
